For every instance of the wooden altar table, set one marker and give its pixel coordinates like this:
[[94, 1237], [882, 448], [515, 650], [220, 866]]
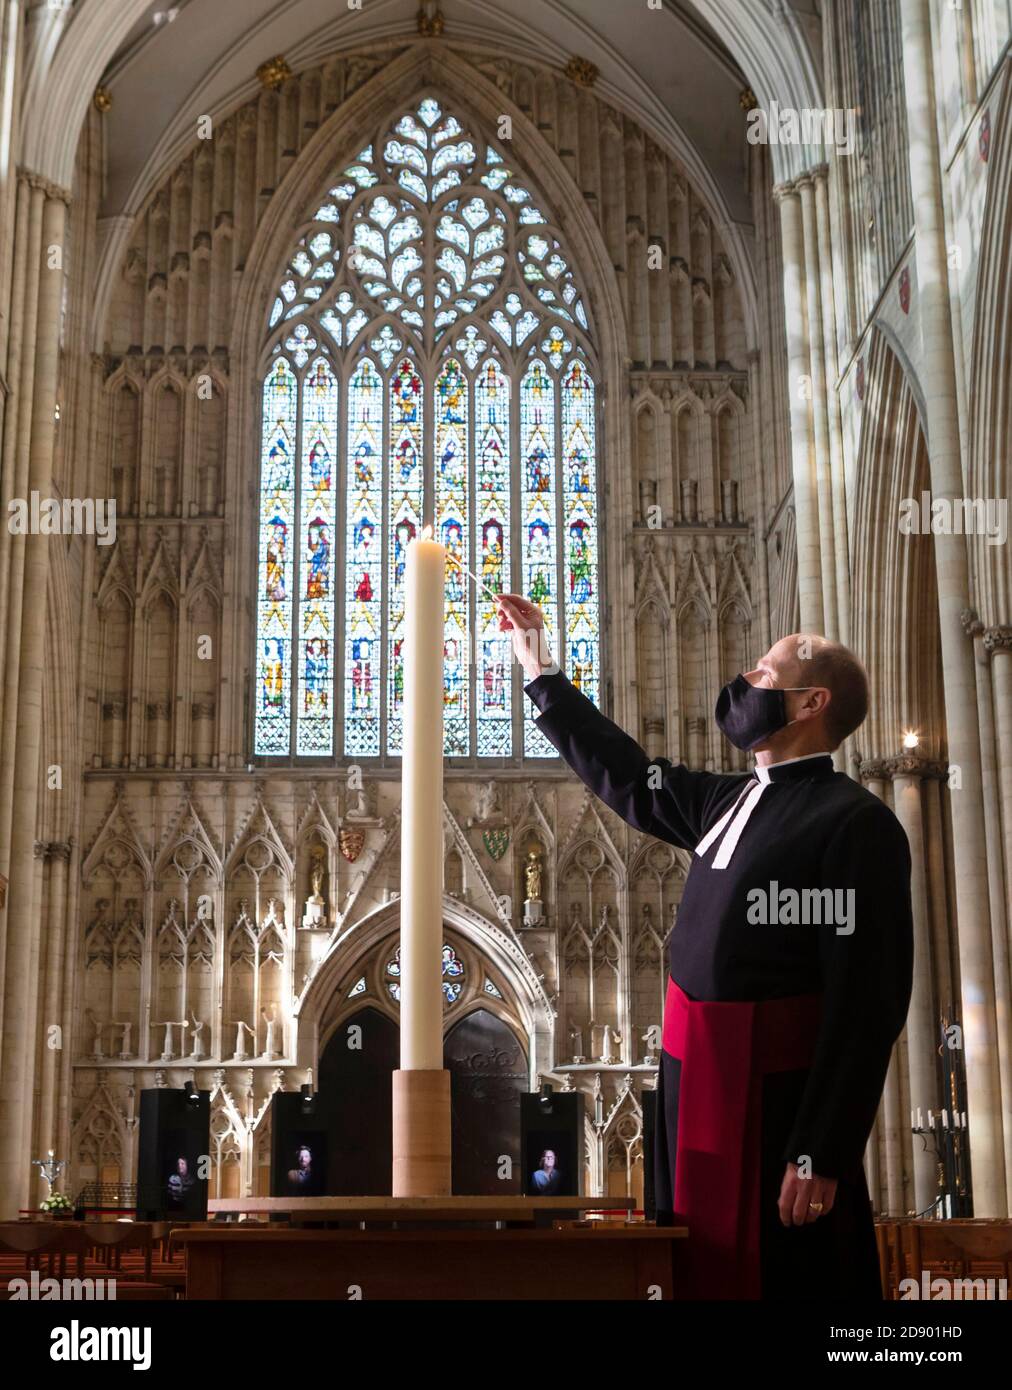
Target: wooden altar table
[[515, 1259]]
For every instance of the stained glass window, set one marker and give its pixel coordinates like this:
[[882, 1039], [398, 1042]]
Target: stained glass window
[[316, 543], [363, 569], [580, 512], [274, 598], [540, 498], [452, 517], [406, 504], [428, 359], [453, 975], [492, 550]]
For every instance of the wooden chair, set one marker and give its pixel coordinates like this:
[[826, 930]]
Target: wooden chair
[[111, 1238]]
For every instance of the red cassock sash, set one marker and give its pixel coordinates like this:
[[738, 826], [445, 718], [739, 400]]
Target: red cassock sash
[[725, 1050]]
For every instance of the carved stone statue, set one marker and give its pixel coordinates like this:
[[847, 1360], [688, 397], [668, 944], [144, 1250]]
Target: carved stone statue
[[241, 1029], [534, 910], [168, 1046], [610, 1042], [205, 909], [532, 876], [316, 874], [125, 1048], [316, 905], [98, 1029], [488, 802], [576, 1043], [196, 1039], [358, 804], [652, 1038], [270, 1023]]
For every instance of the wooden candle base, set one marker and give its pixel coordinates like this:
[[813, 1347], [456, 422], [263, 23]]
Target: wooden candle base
[[421, 1123]]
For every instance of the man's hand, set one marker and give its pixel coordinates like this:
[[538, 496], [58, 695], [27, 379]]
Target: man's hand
[[797, 1194], [527, 623]]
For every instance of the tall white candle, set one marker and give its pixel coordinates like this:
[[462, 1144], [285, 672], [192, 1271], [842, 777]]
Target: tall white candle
[[422, 810]]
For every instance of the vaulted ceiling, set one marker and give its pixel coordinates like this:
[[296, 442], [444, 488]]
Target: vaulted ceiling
[[678, 70]]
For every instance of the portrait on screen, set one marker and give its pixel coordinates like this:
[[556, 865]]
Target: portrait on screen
[[181, 1185], [305, 1165]]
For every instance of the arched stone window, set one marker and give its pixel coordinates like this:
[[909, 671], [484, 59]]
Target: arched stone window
[[428, 358]]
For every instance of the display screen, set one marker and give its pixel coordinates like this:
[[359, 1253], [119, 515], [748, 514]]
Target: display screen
[[304, 1159], [551, 1164]]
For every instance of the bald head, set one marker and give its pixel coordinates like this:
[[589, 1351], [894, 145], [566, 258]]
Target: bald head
[[806, 659]]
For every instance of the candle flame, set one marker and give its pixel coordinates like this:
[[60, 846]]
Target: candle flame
[[426, 533]]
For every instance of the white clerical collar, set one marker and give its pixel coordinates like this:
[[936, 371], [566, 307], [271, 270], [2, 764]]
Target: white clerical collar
[[763, 773], [732, 823]]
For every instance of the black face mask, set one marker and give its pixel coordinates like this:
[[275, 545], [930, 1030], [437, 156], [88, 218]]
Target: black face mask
[[748, 714]]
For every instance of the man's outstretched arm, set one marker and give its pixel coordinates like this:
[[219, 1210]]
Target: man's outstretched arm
[[653, 795]]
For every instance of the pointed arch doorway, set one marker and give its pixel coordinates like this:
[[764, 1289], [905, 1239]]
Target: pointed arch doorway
[[483, 1049]]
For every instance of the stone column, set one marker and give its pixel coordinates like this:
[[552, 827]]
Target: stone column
[[820, 406], [997, 645], [922, 1031], [759, 502], [938, 380], [993, 645], [16, 470], [17, 1066], [54, 1011], [841, 542], [895, 1140], [799, 368], [12, 326]]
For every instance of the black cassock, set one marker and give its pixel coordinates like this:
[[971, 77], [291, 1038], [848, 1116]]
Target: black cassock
[[759, 841]]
